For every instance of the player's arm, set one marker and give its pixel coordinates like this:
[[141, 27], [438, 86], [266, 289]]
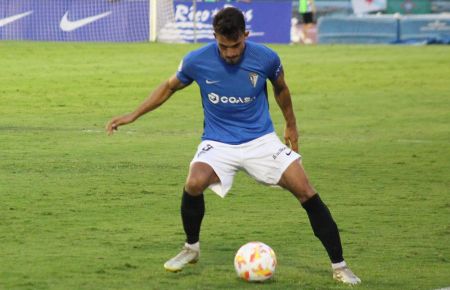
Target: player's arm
[[161, 94], [283, 98]]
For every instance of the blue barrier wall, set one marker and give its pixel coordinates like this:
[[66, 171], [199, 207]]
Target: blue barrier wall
[[428, 28], [354, 29], [425, 28]]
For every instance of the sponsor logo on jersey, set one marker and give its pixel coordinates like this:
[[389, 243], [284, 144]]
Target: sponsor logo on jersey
[[215, 99], [69, 25], [253, 78]]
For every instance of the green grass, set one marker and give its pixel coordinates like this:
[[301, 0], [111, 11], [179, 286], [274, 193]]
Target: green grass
[[81, 210]]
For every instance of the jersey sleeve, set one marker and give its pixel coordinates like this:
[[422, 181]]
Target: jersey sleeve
[[275, 68], [184, 73]]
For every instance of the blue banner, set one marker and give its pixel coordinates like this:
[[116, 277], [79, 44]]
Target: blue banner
[[128, 20], [268, 22], [72, 20], [355, 29], [425, 28]]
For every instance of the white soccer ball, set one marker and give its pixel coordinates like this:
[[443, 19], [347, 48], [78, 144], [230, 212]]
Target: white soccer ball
[[255, 261]]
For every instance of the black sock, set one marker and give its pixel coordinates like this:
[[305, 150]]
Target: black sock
[[192, 212], [324, 227]]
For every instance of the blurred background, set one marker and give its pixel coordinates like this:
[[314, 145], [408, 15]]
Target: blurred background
[[365, 21], [269, 21]]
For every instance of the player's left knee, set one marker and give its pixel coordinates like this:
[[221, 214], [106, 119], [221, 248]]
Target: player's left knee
[[304, 197], [304, 193]]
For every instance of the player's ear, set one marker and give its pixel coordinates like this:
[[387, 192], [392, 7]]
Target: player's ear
[[246, 33], [215, 36]]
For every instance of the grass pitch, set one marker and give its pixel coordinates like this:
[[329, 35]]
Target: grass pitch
[[81, 210]]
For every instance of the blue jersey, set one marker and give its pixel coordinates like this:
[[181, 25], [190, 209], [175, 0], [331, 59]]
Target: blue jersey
[[234, 96]]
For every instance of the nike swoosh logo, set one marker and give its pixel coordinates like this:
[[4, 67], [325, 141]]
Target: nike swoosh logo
[[208, 82], [67, 25], [13, 18], [288, 153]]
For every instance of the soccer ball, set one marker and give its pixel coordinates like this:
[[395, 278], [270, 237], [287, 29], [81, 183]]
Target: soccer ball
[[255, 261]]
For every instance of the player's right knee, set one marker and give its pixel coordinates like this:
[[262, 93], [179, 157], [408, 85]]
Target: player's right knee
[[195, 186]]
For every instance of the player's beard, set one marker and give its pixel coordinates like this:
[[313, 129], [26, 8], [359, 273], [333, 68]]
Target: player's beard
[[232, 60]]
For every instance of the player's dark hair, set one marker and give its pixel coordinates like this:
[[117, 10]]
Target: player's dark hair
[[230, 23]]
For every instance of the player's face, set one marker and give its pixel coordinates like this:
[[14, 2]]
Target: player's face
[[231, 50]]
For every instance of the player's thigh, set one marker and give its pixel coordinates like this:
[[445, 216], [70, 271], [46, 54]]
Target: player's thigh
[[218, 163], [295, 180], [200, 176], [266, 159]]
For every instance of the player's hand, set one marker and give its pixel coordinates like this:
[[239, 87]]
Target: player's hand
[[116, 122], [291, 137]]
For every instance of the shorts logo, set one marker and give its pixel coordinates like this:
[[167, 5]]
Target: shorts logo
[[215, 99], [205, 149], [274, 156], [253, 78]]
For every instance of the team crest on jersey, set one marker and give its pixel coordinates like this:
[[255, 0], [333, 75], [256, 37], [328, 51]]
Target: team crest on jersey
[[253, 78]]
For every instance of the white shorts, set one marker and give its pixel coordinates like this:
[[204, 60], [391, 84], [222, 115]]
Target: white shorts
[[265, 159]]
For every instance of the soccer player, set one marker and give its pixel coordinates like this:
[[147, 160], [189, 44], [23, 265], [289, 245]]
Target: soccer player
[[238, 134], [307, 10]]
